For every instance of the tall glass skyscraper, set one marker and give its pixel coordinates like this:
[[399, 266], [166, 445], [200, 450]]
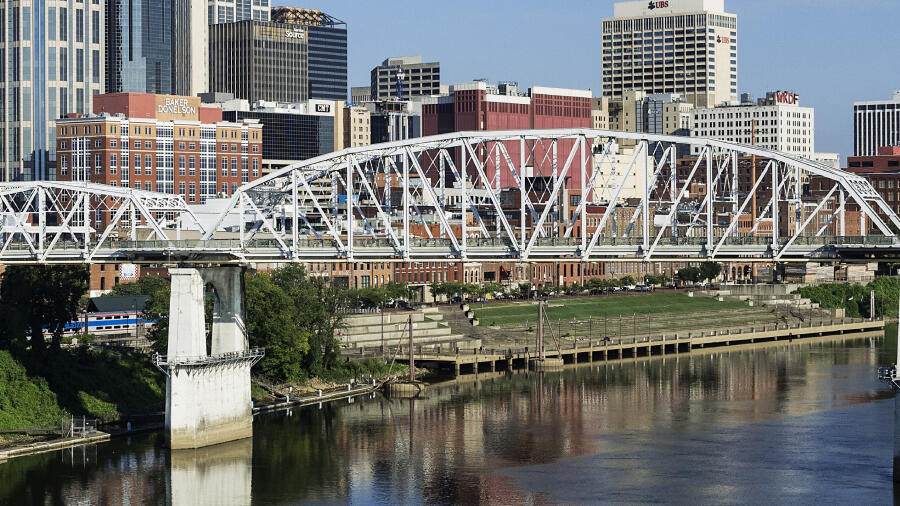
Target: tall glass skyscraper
[[156, 46], [327, 50], [139, 46], [51, 52]]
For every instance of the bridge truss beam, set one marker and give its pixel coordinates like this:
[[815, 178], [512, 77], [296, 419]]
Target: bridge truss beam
[[575, 195], [552, 195]]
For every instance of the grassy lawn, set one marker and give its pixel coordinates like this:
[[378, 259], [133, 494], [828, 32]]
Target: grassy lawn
[[516, 313]]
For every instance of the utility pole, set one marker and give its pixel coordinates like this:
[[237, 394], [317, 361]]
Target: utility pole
[[872, 305], [540, 332], [412, 360]]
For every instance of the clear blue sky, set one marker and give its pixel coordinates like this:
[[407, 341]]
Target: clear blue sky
[[831, 52]]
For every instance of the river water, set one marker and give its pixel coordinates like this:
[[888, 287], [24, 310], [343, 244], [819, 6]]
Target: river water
[[798, 423]]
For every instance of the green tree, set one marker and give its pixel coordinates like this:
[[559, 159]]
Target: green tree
[[710, 270], [627, 280], [34, 297], [322, 307], [273, 323], [689, 274]]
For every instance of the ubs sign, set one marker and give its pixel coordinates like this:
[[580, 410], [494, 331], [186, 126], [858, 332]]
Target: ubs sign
[[174, 107], [658, 4]]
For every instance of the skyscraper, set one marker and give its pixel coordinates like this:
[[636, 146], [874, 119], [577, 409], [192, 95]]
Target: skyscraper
[[687, 47], [156, 46], [139, 46], [327, 50], [53, 64], [190, 47], [229, 11], [876, 124], [417, 78], [258, 60]]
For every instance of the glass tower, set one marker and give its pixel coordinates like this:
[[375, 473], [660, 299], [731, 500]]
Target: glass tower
[[139, 46], [52, 64]]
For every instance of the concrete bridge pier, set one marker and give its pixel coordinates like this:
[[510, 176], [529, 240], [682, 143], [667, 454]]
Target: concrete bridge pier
[[207, 391]]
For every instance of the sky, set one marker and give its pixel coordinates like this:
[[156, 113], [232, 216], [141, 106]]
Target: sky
[[831, 52]]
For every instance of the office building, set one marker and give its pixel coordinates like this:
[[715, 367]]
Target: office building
[[637, 111], [259, 60], [327, 50], [139, 47], [776, 122], [687, 47], [876, 124], [291, 132], [389, 126], [883, 172], [405, 76], [360, 94], [229, 11], [479, 106], [352, 126], [190, 47], [162, 143], [53, 64]]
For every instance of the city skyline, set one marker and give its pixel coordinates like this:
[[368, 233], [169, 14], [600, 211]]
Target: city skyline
[[815, 30]]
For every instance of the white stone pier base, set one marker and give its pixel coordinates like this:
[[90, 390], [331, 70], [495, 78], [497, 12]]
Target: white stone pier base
[[207, 394]]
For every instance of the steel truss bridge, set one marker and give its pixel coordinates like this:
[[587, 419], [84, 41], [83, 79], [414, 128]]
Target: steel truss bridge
[[510, 196]]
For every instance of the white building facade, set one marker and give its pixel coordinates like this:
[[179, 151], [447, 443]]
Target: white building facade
[[687, 47], [229, 11], [776, 122], [876, 124]]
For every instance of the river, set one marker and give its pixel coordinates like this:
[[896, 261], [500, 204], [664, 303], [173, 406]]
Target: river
[[799, 423]]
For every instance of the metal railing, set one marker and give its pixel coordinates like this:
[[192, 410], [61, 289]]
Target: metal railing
[[164, 362]]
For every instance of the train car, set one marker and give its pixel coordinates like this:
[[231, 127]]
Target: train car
[[107, 324]]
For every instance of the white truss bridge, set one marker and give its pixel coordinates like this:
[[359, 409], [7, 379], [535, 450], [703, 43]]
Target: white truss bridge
[[575, 195]]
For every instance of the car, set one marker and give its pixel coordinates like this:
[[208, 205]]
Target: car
[[630, 287], [456, 300], [478, 299], [642, 288]]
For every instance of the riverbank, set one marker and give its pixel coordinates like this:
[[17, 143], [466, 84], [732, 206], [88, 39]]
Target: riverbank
[[484, 360]]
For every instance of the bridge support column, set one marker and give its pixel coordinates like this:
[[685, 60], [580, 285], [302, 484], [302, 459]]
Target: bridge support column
[[207, 394]]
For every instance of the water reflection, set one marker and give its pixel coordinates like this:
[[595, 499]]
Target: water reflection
[[687, 426], [219, 474]]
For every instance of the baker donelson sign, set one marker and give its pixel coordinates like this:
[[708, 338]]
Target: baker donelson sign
[[169, 107]]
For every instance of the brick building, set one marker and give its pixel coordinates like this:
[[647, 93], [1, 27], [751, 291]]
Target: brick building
[[478, 106], [161, 143], [883, 172]]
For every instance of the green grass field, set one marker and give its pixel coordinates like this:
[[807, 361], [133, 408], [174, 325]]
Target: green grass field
[[516, 313]]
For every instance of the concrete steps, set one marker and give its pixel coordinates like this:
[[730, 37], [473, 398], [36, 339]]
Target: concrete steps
[[364, 331]]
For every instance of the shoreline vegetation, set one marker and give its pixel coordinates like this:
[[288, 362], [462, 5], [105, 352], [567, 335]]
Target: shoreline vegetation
[[292, 315]]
